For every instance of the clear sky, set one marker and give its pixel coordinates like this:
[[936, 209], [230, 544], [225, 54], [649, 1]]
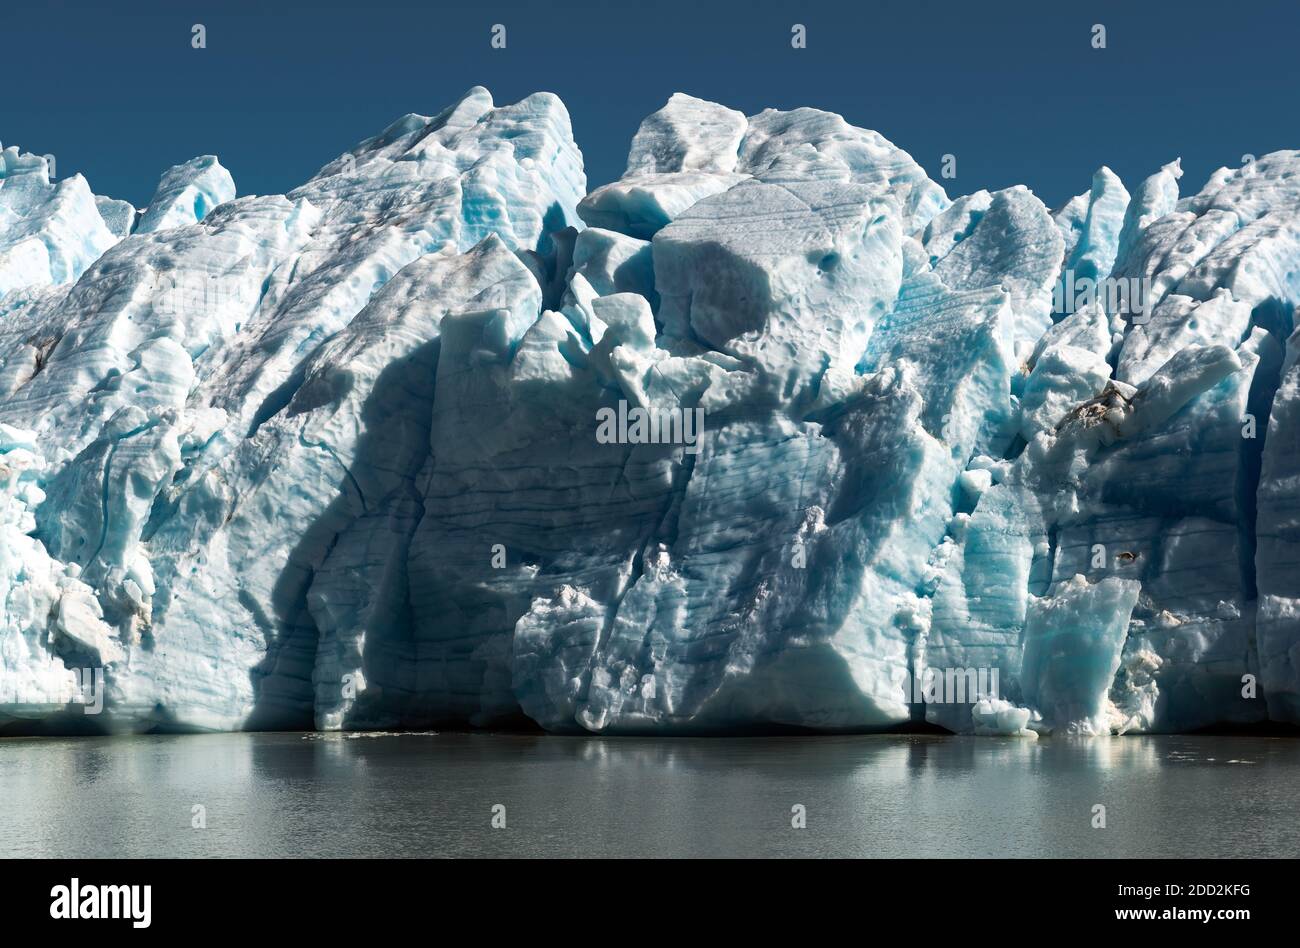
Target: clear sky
[[1012, 88]]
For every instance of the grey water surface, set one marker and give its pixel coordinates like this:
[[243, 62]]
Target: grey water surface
[[291, 795]]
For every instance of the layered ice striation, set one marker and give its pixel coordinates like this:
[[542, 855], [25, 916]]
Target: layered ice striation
[[767, 433]]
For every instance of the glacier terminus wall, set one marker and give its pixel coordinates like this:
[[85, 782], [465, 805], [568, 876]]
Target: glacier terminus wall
[[768, 433]]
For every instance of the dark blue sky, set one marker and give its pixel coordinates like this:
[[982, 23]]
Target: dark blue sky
[[1013, 89]]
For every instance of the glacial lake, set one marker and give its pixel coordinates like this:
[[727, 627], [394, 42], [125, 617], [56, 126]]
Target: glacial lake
[[437, 795]]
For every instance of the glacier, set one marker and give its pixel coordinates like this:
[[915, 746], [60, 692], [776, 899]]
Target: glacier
[[334, 459]]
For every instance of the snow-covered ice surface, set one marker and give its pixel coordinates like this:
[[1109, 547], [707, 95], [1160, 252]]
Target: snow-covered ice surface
[[337, 457]]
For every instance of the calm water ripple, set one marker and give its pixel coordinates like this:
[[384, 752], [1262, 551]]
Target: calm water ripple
[[433, 795]]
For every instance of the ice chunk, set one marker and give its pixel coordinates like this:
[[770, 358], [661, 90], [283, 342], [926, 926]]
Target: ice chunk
[[691, 149], [687, 134], [642, 205], [186, 194], [1156, 197], [1016, 246], [1094, 253], [954, 224], [49, 233], [611, 262], [1062, 377], [790, 278], [1069, 220], [119, 216], [998, 716], [1194, 370], [50, 623], [1073, 641], [809, 144], [1277, 555]]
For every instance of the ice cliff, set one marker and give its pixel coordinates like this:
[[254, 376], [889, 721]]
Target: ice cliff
[[768, 432]]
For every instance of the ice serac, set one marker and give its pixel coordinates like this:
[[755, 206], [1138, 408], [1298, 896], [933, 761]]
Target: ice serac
[[1073, 643], [1013, 244], [187, 193], [691, 149], [684, 152], [50, 232], [1155, 476], [119, 216], [687, 134], [1155, 198], [767, 433], [809, 144], [1093, 255], [156, 384], [791, 278], [1277, 554]]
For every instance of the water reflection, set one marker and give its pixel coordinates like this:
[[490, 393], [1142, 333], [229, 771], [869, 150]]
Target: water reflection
[[433, 794]]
